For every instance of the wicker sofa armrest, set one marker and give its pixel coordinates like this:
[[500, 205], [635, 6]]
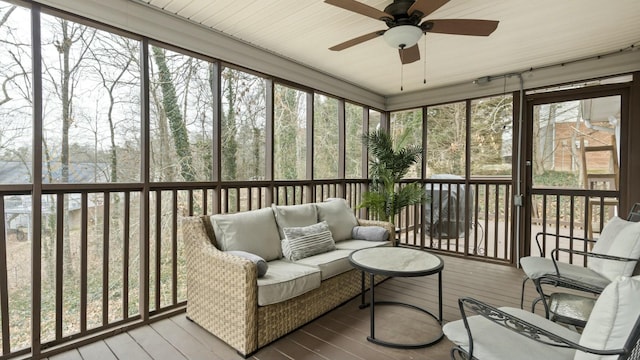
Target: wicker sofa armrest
[[222, 289], [385, 224]]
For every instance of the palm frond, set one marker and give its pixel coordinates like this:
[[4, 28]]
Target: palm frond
[[387, 167]]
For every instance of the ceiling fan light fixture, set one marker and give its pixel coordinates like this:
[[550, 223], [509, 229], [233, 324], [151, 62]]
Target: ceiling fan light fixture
[[402, 36]]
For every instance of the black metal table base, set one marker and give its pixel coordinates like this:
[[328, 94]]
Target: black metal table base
[[435, 340], [372, 338]]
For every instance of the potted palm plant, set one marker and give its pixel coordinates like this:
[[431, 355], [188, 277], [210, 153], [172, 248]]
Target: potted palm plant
[[385, 198]]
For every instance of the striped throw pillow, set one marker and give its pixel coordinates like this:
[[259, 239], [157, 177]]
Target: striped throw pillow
[[302, 242]]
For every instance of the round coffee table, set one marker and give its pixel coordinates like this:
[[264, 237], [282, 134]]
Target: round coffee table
[[398, 262]]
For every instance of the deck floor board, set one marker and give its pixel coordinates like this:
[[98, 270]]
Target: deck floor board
[[339, 334]]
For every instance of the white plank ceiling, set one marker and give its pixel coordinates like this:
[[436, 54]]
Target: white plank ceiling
[[531, 34]]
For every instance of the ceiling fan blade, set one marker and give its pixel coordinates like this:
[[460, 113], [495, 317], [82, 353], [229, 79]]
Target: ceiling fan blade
[[359, 8], [356, 41], [462, 26], [426, 7], [409, 55]]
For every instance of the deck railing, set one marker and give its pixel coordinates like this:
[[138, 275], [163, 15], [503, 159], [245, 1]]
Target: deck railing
[[470, 218], [577, 213], [111, 255]]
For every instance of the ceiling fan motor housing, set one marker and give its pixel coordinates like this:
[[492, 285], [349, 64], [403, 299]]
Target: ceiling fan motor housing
[[399, 10]]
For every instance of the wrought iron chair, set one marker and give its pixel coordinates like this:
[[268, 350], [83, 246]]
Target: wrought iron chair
[[616, 253], [613, 330]]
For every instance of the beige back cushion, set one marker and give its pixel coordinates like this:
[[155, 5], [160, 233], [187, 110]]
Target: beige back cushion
[[613, 317], [339, 216], [251, 231], [294, 216]]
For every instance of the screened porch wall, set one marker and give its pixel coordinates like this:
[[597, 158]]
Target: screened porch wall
[[88, 247]]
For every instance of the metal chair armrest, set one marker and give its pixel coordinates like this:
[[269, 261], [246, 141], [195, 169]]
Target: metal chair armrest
[[541, 234], [590, 254], [568, 283], [521, 327], [554, 255]]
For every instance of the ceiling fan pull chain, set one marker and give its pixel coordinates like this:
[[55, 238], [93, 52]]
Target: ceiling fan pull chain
[[401, 77], [424, 79], [402, 68]]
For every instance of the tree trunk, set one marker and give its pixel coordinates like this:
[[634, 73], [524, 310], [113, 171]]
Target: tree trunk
[[172, 111], [229, 143], [65, 48]]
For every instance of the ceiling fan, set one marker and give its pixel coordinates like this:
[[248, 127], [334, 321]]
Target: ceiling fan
[[403, 19]]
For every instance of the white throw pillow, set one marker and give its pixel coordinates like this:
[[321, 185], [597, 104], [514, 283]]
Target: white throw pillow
[[302, 242], [612, 319], [251, 231], [339, 216], [294, 216]]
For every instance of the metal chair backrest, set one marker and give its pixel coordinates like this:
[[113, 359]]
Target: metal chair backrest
[[633, 343], [634, 214]]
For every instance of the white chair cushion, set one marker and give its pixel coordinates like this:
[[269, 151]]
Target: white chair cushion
[[609, 233], [251, 231], [339, 216], [294, 216], [612, 319], [494, 342], [626, 244], [286, 280], [620, 238], [536, 267], [331, 263]]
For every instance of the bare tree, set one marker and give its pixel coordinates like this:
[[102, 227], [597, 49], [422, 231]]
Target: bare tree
[[174, 116], [63, 78]]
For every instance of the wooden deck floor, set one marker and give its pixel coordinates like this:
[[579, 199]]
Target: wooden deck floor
[[340, 334]]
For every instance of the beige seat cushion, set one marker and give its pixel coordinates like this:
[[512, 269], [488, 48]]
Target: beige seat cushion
[[286, 280], [360, 244], [331, 263], [251, 231]]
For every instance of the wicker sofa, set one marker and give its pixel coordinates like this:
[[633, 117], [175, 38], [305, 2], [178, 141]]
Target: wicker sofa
[[225, 295]]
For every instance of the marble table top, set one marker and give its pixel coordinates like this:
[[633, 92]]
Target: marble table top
[[396, 261]]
